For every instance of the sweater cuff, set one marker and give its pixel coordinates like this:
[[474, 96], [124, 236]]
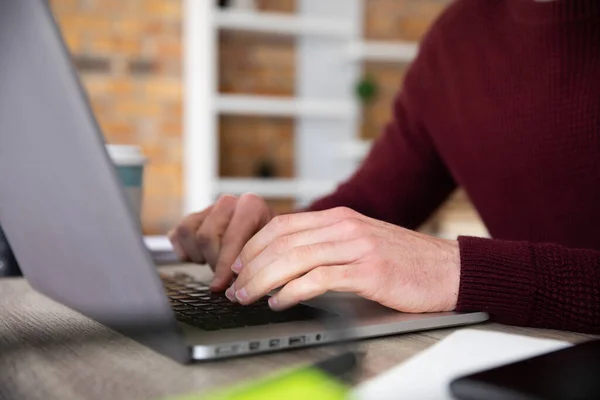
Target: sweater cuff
[[496, 277]]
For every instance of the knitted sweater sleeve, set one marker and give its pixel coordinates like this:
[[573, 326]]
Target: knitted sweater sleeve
[[531, 284]]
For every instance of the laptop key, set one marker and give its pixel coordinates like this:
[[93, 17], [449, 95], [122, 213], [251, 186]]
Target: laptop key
[[204, 306], [198, 286], [187, 291], [196, 300], [181, 307], [210, 307], [196, 312], [179, 296], [198, 294]]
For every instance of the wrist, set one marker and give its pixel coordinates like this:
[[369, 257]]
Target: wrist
[[452, 274]]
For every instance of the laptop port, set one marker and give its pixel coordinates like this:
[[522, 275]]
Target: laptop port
[[254, 346], [273, 343], [224, 350], [298, 340]]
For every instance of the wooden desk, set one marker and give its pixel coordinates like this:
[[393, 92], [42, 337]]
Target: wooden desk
[[48, 351]]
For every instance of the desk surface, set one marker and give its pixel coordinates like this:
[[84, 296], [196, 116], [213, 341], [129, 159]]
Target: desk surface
[[48, 351]]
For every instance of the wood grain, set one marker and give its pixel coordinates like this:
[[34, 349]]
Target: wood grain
[[48, 351]]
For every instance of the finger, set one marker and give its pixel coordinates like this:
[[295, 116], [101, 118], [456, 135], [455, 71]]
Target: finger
[[287, 224], [295, 263], [346, 229], [179, 252], [185, 235], [337, 278], [250, 215], [315, 283], [209, 234]]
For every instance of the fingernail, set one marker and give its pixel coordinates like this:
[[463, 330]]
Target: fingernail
[[237, 265], [242, 295], [273, 302], [230, 294]]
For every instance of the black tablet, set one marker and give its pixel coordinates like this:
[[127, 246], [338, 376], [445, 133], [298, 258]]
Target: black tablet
[[571, 373]]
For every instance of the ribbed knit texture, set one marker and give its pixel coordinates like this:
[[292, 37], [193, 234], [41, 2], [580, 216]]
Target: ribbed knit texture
[[504, 101]]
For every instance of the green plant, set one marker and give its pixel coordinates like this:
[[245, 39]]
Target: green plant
[[366, 89]]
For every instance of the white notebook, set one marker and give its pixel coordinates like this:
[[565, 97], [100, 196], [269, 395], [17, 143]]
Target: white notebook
[[428, 374]]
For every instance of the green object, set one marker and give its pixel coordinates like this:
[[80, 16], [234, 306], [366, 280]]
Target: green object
[[366, 89], [308, 383]]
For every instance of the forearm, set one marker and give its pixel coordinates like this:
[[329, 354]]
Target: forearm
[[402, 181], [539, 285]]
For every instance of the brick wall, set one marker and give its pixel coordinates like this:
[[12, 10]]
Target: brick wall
[[129, 56]]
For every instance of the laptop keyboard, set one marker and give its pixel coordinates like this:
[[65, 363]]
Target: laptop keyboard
[[194, 304]]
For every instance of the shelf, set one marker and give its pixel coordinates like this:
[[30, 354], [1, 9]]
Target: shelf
[[282, 24], [274, 188], [379, 51], [356, 149], [284, 107]]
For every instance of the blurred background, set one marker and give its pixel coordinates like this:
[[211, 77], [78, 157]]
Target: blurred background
[[277, 97]]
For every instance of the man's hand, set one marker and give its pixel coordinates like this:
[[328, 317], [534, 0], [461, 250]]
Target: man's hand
[[217, 235], [341, 250]]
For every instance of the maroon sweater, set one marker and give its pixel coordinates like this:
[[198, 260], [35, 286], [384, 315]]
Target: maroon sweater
[[504, 101]]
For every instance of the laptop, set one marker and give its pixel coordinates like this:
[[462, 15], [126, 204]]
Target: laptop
[[78, 242]]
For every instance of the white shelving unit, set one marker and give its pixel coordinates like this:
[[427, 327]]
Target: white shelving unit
[[330, 50], [283, 24], [355, 149], [284, 107], [275, 188], [379, 51], [200, 140]]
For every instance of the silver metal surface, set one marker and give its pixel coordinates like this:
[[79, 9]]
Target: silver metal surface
[[368, 320], [61, 205]]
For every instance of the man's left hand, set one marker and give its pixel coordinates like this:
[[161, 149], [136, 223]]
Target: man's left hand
[[308, 254]]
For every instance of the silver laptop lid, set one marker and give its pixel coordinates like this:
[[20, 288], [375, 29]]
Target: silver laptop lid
[[61, 205]]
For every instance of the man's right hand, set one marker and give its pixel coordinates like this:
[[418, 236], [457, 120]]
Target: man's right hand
[[217, 235]]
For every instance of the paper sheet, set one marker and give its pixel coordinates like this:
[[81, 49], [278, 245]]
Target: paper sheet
[[161, 249], [428, 374], [158, 243]]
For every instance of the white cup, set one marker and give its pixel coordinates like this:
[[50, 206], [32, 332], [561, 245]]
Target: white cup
[[129, 162]]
